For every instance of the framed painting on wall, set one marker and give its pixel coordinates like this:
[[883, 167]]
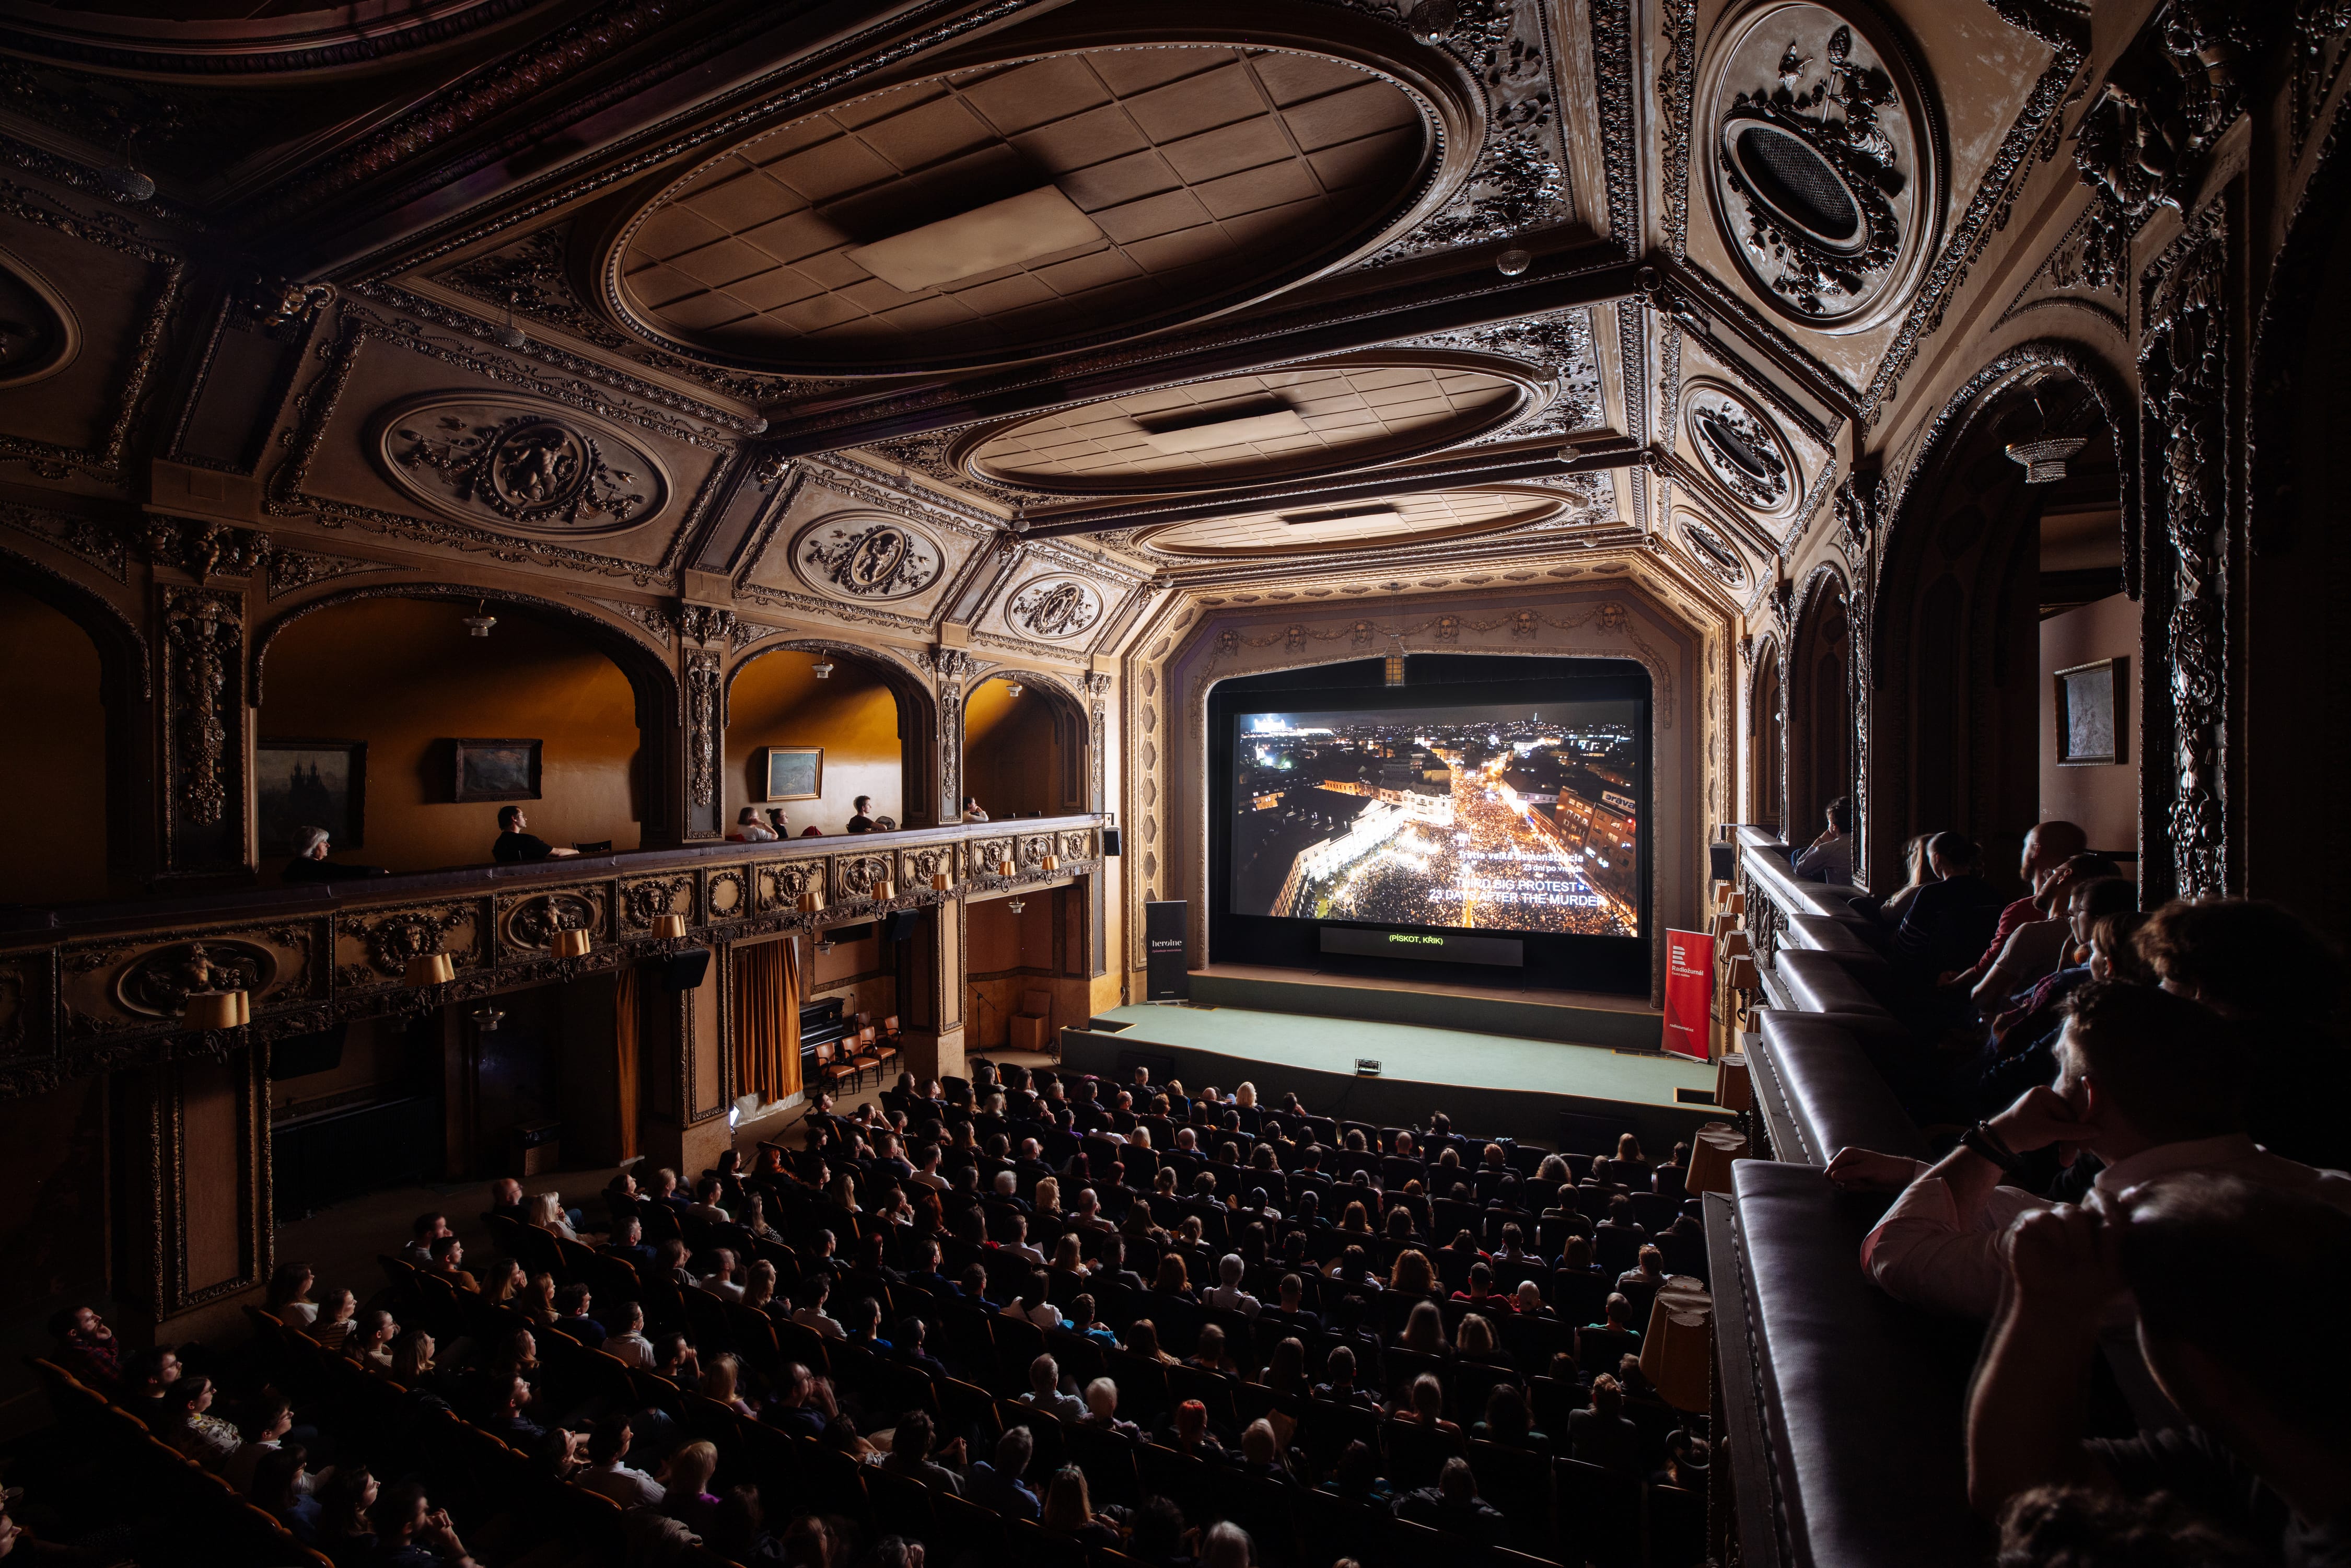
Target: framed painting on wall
[[794, 773], [496, 769], [310, 784], [2091, 700]]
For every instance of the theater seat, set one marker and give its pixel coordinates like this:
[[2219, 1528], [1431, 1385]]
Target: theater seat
[[1820, 1091], [1820, 982], [1853, 1402]]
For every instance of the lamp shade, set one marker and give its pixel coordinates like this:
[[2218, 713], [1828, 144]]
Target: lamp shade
[[883, 892], [1050, 862], [1742, 975], [1713, 1148], [1677, 1350], [571, 945], [1736, 902], [244, 1006], [1732, 945], [812, 902], [1722, 892], [1006, 868], [212, 1010], [668, 925], [431, 969], [942, 881], [1733, 1090]]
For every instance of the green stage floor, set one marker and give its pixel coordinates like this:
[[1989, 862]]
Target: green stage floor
[[1434, 1057]]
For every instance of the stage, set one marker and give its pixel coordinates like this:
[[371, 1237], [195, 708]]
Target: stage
[[1509, 1086]]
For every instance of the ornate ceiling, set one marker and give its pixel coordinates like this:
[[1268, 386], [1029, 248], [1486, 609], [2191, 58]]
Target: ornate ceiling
[[997, 318]]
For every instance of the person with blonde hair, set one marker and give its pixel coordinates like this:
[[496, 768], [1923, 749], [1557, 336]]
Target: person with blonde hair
[[536, 1299], [334, 1325], [686, 1495], [1048, 1198], [719, 1379], [1424, 1331], [545, 1210]]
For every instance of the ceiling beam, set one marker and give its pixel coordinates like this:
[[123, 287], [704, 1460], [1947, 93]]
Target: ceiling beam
[[1230, 346], [1460, 473]]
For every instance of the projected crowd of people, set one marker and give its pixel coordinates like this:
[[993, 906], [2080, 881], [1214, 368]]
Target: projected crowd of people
[[1481, 818]]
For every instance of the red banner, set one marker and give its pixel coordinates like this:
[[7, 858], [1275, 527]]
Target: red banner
[[1689, 994]]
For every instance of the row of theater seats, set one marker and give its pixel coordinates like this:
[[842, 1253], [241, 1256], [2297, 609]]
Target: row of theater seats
[[1843, 1407]]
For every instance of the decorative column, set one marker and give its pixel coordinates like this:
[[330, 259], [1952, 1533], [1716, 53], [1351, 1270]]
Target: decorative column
[[204, 740], [192, 1213]]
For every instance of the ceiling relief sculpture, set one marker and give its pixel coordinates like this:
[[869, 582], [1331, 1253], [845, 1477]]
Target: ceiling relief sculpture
[[519, 465], [1716, 558], [1826, 166], [1010, 207], [1320, 418], [38, 335], [1053, 609], [1403, 521], [868, 559], [1741, 449]]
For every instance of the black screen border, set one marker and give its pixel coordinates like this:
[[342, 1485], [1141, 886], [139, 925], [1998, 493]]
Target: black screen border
[[1613, 965]]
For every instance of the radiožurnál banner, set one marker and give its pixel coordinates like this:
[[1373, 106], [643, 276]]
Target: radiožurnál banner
[[1690, 993]]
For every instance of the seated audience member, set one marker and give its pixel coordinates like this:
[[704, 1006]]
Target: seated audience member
[[2266, 1456], [427, 1228], [310, 862], [627, 1342], [571, 1304], [344, 1499], [858, 823], [627, 1243], [810, 1313], [267, 1420], [1950, 920], [545, 1210], [1226, 1294], [87, 1348], [2048, 846], [1069, 1511], [1601, 1434], [1829, 858], [448, 1254], [910, 1455], [288, 1297], [607, 1472], [371, 1340], [2148, 1081], [2266, 969], [1187, 1433], [686, 1495], [1045, 1391], [338, 1311], [514, 845], [280, 1487], [995, 1483], [1454, 1506], [971, 810], [751, 828], [1509, 1421], [410, 1534], [2037, 947], [190, 1426]]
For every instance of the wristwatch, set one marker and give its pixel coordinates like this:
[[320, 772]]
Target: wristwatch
[[1982, 1140]]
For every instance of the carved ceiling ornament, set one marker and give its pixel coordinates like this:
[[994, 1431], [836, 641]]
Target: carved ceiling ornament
[[1718, 559], [1826, 159], [866, 556], [1054, 608], [1741, 448], [39, 334], [519, 465]]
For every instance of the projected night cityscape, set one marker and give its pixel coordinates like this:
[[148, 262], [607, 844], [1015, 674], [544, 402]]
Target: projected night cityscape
[[1486, 818]]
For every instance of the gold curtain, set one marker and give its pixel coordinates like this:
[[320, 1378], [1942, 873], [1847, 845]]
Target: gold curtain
[[767, 1020], [625, 1028]]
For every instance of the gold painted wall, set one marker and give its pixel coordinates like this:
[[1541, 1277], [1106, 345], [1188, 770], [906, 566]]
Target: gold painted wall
[[52, 754], [402, 675], [1011, 760], [776, 701]]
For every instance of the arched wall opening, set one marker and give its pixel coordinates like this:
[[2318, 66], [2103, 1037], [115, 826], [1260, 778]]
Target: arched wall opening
[[404, 677], [53, 770], [856, 715], [1820, 715], [1011, 958], [1770, 716], [1986, 561], [1024, 750]]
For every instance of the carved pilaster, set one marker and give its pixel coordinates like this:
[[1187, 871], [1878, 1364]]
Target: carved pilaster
[[952, 666], [2183, 371], [705, 736], [1860, 504], [203, 730]]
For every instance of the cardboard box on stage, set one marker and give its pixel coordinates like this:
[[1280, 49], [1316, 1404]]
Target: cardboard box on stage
[[1028, 1033]]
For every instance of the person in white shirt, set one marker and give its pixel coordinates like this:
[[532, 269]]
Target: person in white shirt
[[720, 1281], [607, 1476], [1045, 1391], [2150, 1082], [705, 1206], [1829, 858], [627, 1343], [811, 1312], [1227, 1295], [971, 811], [1035, 1304], [928, 1173], [752, 829]]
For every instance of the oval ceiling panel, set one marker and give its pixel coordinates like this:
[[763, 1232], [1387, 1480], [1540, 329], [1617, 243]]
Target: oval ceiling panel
[[38, 335], [1003, 210], [520, 466], [1322, 418], [1384, 524]]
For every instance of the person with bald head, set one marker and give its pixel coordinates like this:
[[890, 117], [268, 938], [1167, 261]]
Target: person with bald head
[[2047, 848]]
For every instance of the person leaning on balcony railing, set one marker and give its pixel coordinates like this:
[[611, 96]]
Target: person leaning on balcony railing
[[514, 845], [310, 862]]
